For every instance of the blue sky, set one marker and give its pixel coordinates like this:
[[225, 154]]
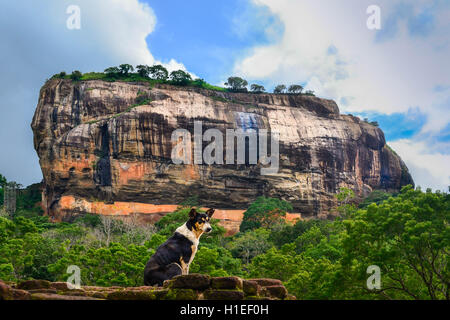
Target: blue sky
[[398, 76], [208, 36]]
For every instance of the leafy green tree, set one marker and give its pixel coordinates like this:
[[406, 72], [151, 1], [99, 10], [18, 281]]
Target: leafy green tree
[[295, 89], [309, 93], [76, 75], [275, 263], [143, 70], [264, 212], [215, 261], [112, 72], [158, 72], [376, 196], [3, 182], [125, 69], [180, 77], [408, 237], [281, 88], [256, 88], [249, 244], [345, 200], [236, 84]]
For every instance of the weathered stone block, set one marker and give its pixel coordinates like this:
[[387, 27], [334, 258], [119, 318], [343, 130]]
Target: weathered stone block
[[276, 291], [42, 291], [60, 286], [251, 288], [5, 291], [223, 294], [264, 282], [52, 296], [34, 284], [17, 294], [191, 281], [132, 295], [182, 294], [226, 283]]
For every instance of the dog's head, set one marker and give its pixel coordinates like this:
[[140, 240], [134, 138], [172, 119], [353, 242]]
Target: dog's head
[[201, 222]]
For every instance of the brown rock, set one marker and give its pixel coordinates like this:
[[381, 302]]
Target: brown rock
[[98, 145], [74, 292], [5, 291], [226, 283], [181, 294], [223, 295], [60, 286], [132, 295], [34, 284], [264, 282], [42, 291], [18, 294], [52, 296], [98, 294], [251, 288], [191, 281], [276, 291]]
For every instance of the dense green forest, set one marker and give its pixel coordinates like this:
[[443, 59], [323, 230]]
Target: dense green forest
[[407, 235]]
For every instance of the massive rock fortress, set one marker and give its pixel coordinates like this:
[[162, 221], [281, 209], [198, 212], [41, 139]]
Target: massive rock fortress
[[105, 147]]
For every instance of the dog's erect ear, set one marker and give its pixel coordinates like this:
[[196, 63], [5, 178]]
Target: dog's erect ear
[[210, 212], [192, 213]]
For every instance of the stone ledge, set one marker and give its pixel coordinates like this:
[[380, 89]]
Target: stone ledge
[[184, 287]]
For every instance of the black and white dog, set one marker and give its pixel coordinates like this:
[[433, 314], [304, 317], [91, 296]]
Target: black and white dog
[[174, 256]]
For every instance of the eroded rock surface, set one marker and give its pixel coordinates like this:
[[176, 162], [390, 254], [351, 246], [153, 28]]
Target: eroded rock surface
[[186, 287], [106, 144]]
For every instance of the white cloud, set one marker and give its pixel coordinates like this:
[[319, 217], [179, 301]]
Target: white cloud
[[363, 74], [429, 168], [37, 44], [387, 76]]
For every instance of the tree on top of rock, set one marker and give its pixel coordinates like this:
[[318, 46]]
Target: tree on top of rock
[[112, 72], [125, 69], [143, 70], [295, 89], [237, 84], [158, 72], [76, 75], [180, 77], [256, 88], [281, 88]]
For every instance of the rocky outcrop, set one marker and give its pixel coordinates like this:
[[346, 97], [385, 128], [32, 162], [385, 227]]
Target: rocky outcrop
[[186, 287], [105, 147]]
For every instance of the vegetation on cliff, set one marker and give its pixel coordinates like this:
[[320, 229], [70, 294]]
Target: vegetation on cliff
[[406, 235], [159, 74]]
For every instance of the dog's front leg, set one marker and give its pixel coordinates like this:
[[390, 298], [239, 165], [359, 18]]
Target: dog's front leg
[[184, 267]]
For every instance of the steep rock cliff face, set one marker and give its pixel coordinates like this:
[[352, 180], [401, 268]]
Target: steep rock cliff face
[[109, 143]]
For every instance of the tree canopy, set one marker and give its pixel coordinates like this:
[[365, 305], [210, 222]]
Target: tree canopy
[[236, 84], [256, 88], [180, 77], [295, 89], [281, 88]]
